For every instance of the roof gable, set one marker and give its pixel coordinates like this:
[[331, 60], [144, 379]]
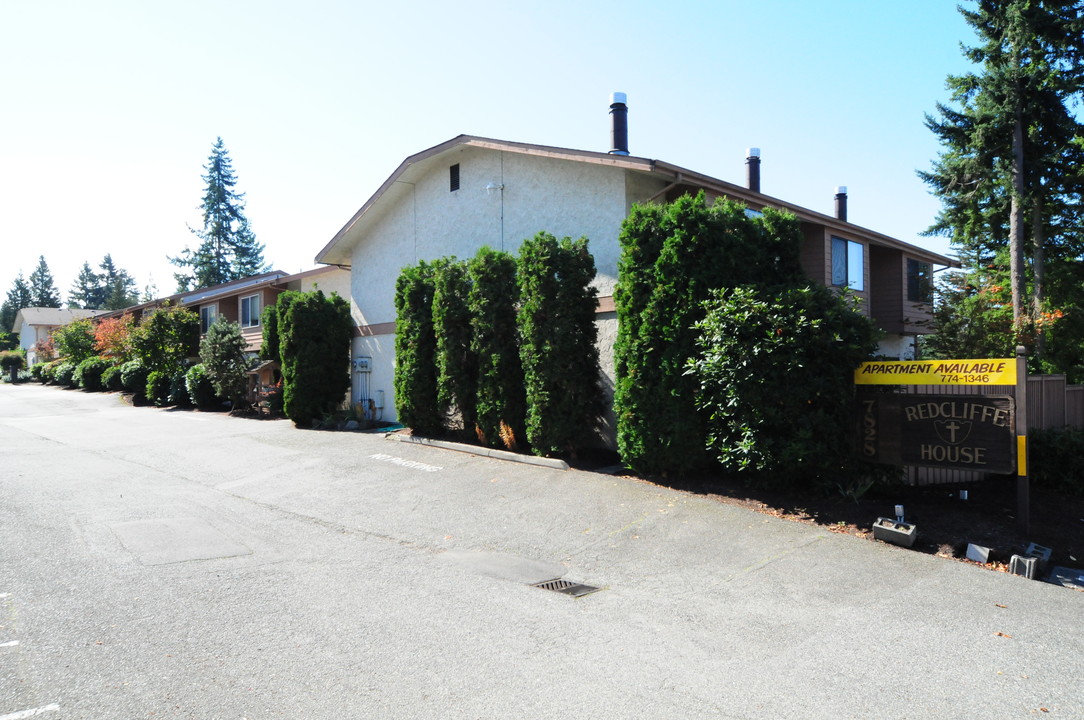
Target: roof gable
[[338, 250]]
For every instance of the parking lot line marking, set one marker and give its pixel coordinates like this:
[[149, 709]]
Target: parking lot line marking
[[30, 713], [10, 643]]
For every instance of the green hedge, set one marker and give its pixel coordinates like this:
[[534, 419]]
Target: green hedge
[[159, 386], [775, 383], [495, 342], [315, 333], [457, 365], [558, 348], [201, 390], [133, 377], [88, 374], [415, 379], [672, 258]]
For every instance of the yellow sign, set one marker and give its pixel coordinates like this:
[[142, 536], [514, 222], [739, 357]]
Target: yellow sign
[[1001, 371]]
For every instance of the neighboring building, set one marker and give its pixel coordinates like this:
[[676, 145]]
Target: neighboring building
[[36, 323], [471, 191], [242, 301]]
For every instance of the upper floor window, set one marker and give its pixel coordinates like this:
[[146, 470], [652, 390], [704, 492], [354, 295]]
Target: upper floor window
[[919, 281], [847, 264], [453, 178], [250, 311], [207, 315]]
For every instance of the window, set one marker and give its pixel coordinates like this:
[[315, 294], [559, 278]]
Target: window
[[207, 315], [453, 177], [250, 311], [919, 281], [847, 264]]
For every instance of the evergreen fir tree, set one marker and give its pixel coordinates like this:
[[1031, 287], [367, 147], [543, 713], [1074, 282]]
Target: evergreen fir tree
[[228, 249], [43, 292], [118, 288], [18, 297], [86, 290], [1008, 173]]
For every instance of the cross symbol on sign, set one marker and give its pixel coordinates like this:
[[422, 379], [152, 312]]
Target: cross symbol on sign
[[952, 427]]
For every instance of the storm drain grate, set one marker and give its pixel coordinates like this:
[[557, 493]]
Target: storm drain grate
[[567, 587]]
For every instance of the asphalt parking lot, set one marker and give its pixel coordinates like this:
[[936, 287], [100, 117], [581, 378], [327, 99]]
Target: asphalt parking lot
[[182, 564]]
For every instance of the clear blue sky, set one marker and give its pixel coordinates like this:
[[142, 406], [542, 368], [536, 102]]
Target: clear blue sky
[[108, 110]]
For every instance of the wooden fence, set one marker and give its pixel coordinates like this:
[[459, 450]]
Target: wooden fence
[[1052, 403]]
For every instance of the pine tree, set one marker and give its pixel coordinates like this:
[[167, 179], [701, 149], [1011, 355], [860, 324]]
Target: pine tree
[[18, 297], [43, 292], [118, 288], [228, 249], [1008, 173], [85, 292]]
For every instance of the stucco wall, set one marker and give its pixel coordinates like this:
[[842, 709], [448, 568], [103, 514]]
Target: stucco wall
[[426, 221]]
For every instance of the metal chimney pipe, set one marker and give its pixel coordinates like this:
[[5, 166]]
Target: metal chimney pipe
[[752, 169], [841, 203], [619, 127]]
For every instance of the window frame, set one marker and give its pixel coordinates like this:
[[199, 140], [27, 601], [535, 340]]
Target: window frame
[[845, 254], [212, 313], [254, 320], [919, 282]]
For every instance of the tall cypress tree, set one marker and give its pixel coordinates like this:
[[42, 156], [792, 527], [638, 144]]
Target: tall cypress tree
[[228, 249], [1008, 173], [495, 343], [43, 292], [557, 342]]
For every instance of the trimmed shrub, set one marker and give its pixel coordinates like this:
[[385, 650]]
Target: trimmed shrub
[[557, 342], [11, 362], [415, 379], [774, 378], [495, 342], [133, 376], [673, 257], [159, 385], [315, 334], [88, 374], [457, 365], [36, 372], [111, 378], [64, 373], [48, 371], [222, 352], [178, 390], [201, 390]]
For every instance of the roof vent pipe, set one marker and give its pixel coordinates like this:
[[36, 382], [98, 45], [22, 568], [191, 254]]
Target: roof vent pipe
[[619, 128], [752, 169], [841, 203]]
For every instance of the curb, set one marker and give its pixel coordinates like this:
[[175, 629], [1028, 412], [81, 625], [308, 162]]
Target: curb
[[552, 463]]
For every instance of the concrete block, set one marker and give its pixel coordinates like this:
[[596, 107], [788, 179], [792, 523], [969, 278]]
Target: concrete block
[[978, 553], [1039, 552], [897, 533], [1025, 566]]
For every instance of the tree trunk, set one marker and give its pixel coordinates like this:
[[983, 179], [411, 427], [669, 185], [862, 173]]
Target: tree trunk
[[1016, 225], [1038, 291]]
